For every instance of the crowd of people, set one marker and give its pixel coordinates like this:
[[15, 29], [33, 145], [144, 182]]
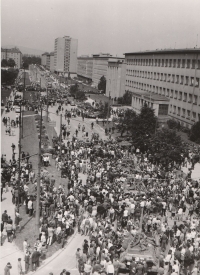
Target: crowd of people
[[128, 200]]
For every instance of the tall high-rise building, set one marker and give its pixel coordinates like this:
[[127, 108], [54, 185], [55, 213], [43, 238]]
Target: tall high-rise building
[[65, 55]]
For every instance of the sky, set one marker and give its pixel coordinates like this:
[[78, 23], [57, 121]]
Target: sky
[[107, 26]]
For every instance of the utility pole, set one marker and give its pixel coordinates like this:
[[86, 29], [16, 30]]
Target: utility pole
[[19, 176], [22, 108], [47, 105], [38, 178], [60, 133]]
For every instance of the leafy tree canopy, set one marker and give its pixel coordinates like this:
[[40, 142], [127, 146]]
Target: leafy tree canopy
[[11, 63], [4, 63], [195, 133], [8, 77], [125, 99], [102, 84], [31, 60]]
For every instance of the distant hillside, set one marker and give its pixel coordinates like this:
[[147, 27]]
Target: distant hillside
[[25, 50]]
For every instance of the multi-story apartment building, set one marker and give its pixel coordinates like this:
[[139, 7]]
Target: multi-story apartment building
[[115, 78], [85, 67], [174, 74], [65, 55], [14, 54], [51, 62], [44, 59]]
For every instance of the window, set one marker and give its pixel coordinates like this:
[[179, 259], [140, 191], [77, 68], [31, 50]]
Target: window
[[193, 63], [168, 78], [165, 77], [183, 112], [186, 80], [158, 62], [160, 90], [163, 91], [188, 63], [176, 94], [171, 93], [174, 109], [163, 62], [179, 111], [150, 62], [185, 97], [182, 79], [191, 81], [194, 115], [166, 62], [177, 79], [180, 95], [197, 82], [188, 113], [158, 76], [157, 89], [190, 98], [163, 109], [170, 63], [179, 63], [161, 77], [173, 78], [154, 75], [174, 63], [167, 92], [195, 100], [198, 64], [155, 62]]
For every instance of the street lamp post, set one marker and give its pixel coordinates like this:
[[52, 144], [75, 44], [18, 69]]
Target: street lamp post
[[20, 146], [22, 108]]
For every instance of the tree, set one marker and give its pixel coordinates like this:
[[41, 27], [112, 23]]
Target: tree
[[11, 63], [102, 84], [8, 76], [126, 122], [31, 60], [126, 99], [74, 89], [80, 95], [195, 133], [166, 147], [4, 63]]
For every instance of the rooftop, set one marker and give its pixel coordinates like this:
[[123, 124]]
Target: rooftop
[[167, 51], [13, 50], [151, 96]]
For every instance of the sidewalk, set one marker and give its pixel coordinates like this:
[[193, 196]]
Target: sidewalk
[[9, 252]]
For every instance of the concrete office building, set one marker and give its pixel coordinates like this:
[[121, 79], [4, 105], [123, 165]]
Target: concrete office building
[[14, 54], [85, 67], [65, 55], [115, 78], [174, 74], [100, 66]]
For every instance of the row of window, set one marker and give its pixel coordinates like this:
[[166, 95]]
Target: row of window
[[171, 63], [182, 96], [172, 78], [183, 112]]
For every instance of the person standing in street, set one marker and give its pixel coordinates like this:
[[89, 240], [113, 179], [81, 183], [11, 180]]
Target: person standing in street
[[19, 266], [7, 269]]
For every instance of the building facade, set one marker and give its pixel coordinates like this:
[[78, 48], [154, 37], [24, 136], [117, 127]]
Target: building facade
[[65, 55], [100, 66], [44, 59], [174, 74], [115, 78], [51, 62], [14, 54], [85, 67], [159, 103]]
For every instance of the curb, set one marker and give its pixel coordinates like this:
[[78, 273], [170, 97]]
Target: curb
[[55, 255]]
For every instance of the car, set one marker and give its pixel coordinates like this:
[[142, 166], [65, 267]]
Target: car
[[17, 109], [72, 103]]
